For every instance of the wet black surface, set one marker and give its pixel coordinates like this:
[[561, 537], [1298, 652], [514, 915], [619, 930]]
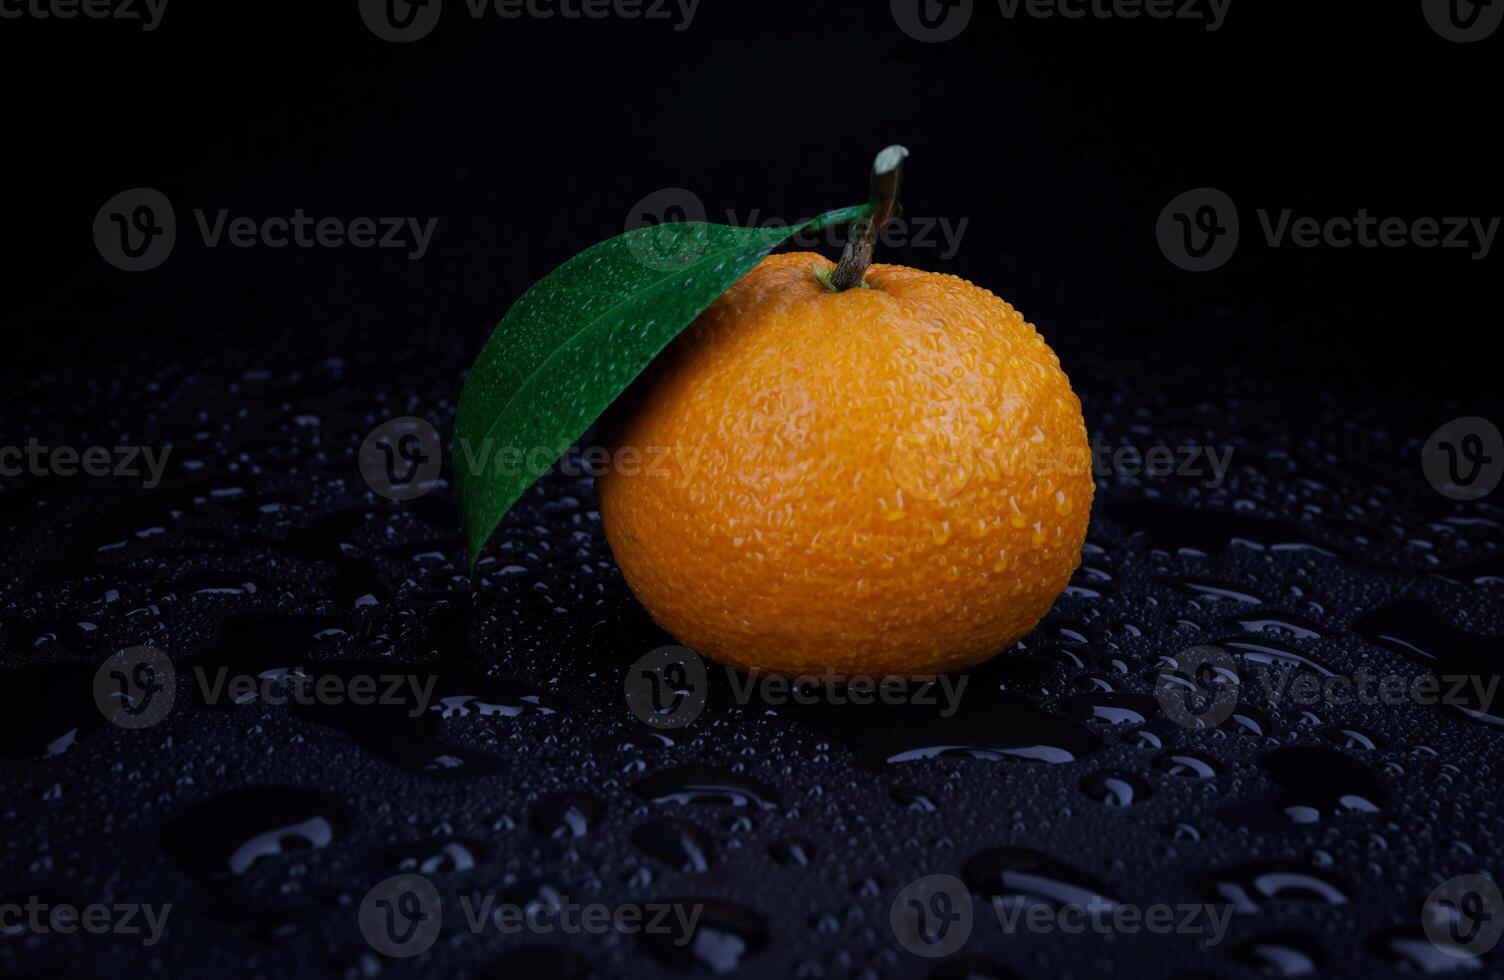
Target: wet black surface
[[793, 828]]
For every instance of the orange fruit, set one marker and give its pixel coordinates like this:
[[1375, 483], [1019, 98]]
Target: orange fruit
[[891, 480]]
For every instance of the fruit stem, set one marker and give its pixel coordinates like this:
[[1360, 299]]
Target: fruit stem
[[887, 171]]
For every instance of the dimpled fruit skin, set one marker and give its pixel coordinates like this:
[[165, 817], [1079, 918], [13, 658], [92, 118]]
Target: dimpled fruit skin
[[883, 481]]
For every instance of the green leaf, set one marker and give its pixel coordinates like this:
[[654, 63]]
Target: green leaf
[[574, 341]]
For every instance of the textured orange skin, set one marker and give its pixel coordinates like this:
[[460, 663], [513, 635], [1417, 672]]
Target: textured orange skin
[[883, 481]]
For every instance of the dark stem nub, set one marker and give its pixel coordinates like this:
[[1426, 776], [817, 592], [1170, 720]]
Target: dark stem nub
[[887, 171]]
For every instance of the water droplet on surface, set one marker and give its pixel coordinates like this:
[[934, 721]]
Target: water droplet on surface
[[721, 935], [1115, 788], [567, 815], [1320, 782], [1251, 887], [46, 709], [1113, 708], [1414, 630], [1280, 954], [793, 853], [1410, 947], [1017, 874], [435, 857], [705, 785], [1352, 738], [1268, 653], [224, 836], [1186, 763], [678, 843]]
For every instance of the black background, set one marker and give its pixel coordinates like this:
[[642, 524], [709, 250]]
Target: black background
[[1058, 141]]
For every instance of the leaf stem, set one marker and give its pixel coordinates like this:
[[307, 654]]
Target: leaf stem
[[887, 173]]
